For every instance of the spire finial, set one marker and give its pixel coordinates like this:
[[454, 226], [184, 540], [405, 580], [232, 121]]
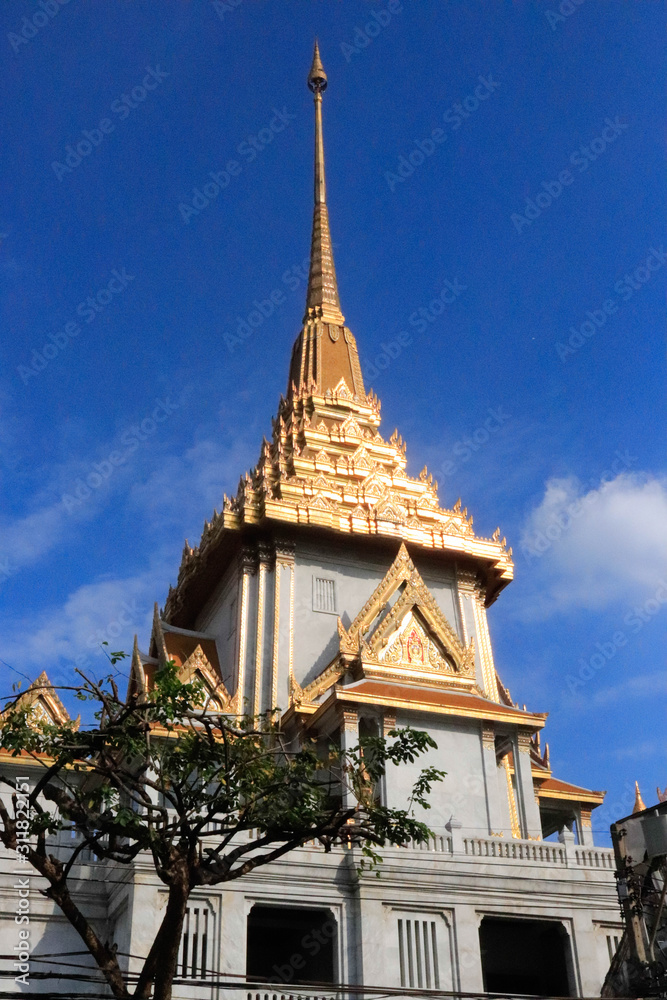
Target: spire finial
[[317, 78], [639, 802], [322, 300]]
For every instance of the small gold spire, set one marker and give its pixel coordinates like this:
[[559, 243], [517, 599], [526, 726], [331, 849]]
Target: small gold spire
[[639, 802], [322, 300]]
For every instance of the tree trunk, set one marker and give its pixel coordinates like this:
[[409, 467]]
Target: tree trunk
[[105, 958], [161, 963]]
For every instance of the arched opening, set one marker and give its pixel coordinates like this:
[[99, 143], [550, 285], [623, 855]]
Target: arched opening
[[291, 945], [527, 957]]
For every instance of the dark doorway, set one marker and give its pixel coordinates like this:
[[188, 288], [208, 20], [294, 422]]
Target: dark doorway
[[529, 957], [290, 945]]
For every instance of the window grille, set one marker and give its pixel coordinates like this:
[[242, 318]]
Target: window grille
[[418, 954], [324, 595], [193, 960]]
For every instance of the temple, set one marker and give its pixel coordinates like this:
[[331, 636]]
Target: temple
[[336, 587]]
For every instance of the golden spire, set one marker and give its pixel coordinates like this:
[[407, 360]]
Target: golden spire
[[322, 300], [639, 802]]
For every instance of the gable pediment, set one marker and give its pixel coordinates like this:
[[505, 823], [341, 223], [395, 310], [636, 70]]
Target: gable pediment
[[400, 634], [401, 630], [198, 668], [42, 704]]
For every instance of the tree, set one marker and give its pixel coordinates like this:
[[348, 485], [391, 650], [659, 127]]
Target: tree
[[157, 771]]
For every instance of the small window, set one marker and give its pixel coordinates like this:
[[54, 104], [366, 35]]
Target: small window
[[324, 595], [194, 960], [418, 954]]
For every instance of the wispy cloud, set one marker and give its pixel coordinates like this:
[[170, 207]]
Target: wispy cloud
[[140, 470], [641, 686], [638, 751], [597, 548], [70, 634]]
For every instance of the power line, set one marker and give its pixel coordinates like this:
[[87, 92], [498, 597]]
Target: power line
[[300, 991]]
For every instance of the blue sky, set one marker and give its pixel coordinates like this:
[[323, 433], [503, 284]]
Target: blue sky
[[511, 150]]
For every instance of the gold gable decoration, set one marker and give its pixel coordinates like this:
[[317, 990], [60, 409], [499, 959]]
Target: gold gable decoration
[[43, 706], [198, 668], [411, 641]]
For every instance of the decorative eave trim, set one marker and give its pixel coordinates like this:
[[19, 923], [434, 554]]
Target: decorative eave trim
[[352, 696]]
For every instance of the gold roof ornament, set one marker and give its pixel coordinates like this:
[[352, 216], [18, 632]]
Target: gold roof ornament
[[325, 351], [327, 465], [639, 805], [42, 704], [322, 300]]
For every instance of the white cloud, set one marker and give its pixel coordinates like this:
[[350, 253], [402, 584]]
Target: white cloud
[[653, 685], [638, 751], [185, 488], [106, 609], [166, 488], [598, 548]]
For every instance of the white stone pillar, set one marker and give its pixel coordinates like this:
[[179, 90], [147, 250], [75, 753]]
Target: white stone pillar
[[246, 629], [469, 955], [283, 642], [586, 827], [492, 791], [388, 723], [349, 737], [528, 807], [264, 562]]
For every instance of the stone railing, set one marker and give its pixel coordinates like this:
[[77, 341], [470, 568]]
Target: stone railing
[[441, 844], [288, 996], [515, 850], [594, 857], [529, 851]]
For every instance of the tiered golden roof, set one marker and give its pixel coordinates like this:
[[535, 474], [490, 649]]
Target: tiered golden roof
[[327, 464]]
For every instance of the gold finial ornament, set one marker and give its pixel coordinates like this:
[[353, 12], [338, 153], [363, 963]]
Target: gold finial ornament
[[317, 78], [639, 805], [322, 300]]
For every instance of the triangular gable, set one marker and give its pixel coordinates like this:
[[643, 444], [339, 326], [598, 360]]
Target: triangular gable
[[197, 667], [43, 704], [170, 643], [410, 641], [413, 637]]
